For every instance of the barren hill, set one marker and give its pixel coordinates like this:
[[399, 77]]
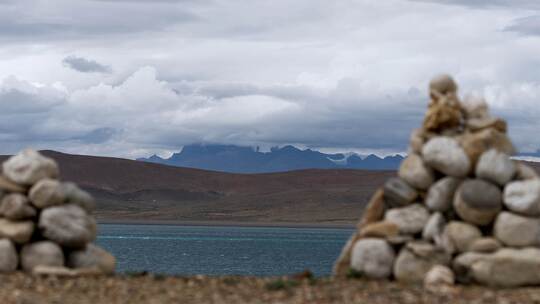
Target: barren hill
[[139, 191], [128, 190]]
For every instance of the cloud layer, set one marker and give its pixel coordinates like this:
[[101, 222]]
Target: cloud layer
[[347, 75], [84, 65]]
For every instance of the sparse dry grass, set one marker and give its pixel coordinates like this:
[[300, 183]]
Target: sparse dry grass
[[20, 288]]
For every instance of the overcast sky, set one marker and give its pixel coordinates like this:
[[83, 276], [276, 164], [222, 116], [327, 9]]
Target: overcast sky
[[131, 78]]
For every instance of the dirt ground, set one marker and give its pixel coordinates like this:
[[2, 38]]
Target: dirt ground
[[142, 288]]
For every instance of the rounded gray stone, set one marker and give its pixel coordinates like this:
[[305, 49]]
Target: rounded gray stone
[[28, 167], [92, 256], [516, 230], [508, 267], [68, 225], [458, 236], [398, 193], [441, 194], [523, 197], [410, 219], [478, 202], [16, 206], [462, 265], [434, 228], [19, 232], [46, 193], [373, 258], [439, 275], [43, 253], [9, 259], [75, 195], [443, 84], [415, 172], [475, 107], [485, 244], [496, 167], [524, 172], [445, 155], [413, 266]]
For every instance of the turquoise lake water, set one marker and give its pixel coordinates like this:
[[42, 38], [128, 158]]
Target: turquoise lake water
[[187, 250]]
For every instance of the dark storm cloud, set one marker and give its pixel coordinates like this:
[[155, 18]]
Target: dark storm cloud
[[97, 136], [526, 26], [84, 65], [26, 19]]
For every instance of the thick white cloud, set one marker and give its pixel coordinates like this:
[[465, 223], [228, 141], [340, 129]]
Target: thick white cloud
[[327, 74]]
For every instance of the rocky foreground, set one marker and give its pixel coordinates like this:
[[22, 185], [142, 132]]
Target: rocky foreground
[[22, 288]]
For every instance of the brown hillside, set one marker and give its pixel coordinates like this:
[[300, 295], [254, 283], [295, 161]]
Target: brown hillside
[[133, 190]]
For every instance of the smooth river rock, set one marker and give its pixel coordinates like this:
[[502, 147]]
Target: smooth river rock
[[441, 195], [46, 193], [9, 259], [415, 259], [485, 245], [19, 232], [16, 206], [524, 172], [496, 167], [92, 256], [475, 107], [517, 230], [76, 196], [382, 229], [43, 253], [415, 172], [410, 219], [443, 84], [373, 258], [434, 227], [508, 267], [478, 201], [439, 275], [9, 186], [373, 212], [523, 197], [458, 236], [445, 155], [398, 193], [68, 225], [462, 265], [28, 167]]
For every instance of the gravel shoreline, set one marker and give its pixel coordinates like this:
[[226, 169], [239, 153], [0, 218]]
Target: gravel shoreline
[[22, 288]]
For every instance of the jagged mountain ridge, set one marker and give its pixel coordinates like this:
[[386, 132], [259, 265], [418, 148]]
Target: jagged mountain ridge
[[238, 159]]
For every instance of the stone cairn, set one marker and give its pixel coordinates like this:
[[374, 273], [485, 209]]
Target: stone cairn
[[46, 225], [459, 210]]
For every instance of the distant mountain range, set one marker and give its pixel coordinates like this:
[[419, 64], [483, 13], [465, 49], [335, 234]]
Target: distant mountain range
[[237, 159], [532, 156]]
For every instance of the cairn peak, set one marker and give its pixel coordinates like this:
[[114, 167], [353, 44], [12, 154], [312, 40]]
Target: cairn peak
[[463, 209]]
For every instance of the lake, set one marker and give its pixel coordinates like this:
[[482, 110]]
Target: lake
[[212, 250]]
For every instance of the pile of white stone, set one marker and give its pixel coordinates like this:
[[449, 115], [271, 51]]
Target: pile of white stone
[[46, 225], [460, 208]]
